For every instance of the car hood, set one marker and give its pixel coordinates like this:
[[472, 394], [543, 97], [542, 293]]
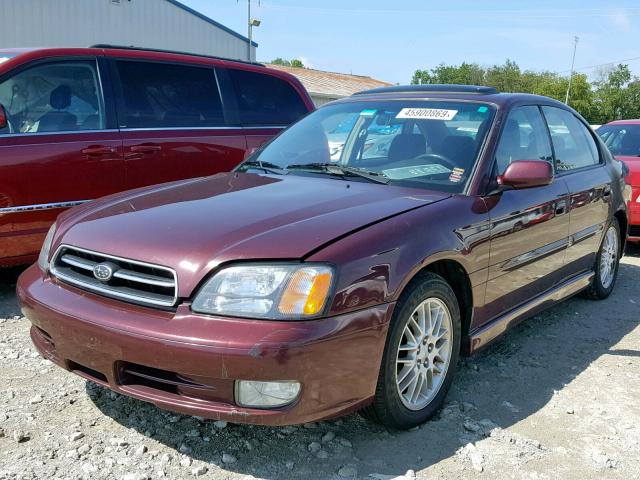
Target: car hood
[[634, 169], [195, 225]]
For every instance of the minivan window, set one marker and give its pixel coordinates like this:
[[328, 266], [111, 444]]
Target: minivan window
[[524, 137], [422, 144], [265, 99], [573, 145], [53, 97], [162, 95]]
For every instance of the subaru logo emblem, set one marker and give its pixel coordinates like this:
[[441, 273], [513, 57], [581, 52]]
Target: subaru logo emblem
[[103, 272]]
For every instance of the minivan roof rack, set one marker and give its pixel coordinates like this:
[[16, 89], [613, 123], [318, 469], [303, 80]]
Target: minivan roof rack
[[432, 88], [177, 52]]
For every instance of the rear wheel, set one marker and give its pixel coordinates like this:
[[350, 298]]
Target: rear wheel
[[420, 356], [607, 261]]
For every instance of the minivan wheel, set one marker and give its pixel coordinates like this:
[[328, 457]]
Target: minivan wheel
[[606, 266], [420, 356]]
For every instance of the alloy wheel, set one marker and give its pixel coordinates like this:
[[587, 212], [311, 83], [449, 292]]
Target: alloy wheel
[[609, 257], [424, 353]]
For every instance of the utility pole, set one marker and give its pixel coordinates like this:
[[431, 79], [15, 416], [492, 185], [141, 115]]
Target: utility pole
[[249, 26], [573, 60], [251, 22]]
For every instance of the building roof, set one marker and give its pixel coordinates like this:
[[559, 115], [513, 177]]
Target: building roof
[[330, 84], [210, 20]]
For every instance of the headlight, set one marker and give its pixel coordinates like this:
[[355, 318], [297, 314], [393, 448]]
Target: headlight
[[277, 292], [43, 258]]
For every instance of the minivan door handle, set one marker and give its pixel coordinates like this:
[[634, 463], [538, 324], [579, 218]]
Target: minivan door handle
[[145, 148], [97, 150]]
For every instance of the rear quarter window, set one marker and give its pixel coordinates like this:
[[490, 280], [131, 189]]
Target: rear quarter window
[[265, 100]]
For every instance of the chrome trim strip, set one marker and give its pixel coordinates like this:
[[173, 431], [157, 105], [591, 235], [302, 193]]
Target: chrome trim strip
[[487, 333], [532, 255], [42, 206], [587, 232], [142, 278], [110, 292], [66, 132], [77, 262], [228, 127]]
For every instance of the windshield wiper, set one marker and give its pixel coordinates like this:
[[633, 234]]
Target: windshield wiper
[[266, 166], [342, 171]]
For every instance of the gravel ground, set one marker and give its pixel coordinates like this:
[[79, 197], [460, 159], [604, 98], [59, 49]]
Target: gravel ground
[[558, 397]]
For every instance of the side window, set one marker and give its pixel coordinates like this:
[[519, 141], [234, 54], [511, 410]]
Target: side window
[[265, 99], [573, 144], [54, 97], [160, 95], [524, 137]]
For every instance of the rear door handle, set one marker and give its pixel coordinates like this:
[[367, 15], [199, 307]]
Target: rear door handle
[[96, 150], [145, 148]]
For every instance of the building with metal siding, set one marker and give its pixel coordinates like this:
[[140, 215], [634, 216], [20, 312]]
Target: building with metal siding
[[164, 24]]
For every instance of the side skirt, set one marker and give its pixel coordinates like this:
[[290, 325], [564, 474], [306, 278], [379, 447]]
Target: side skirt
[[486, 334]]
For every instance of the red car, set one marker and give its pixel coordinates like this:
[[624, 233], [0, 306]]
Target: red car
[[78, 124], [623, 139], [301, 287]]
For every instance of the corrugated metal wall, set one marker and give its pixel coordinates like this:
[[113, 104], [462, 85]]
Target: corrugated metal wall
[[142, 23]]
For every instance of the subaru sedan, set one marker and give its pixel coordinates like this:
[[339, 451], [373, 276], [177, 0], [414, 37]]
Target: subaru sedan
[[305, 285]]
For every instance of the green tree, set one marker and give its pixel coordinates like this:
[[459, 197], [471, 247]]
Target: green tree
[[288, 63]]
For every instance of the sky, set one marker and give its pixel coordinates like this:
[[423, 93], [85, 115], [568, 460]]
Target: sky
[[389, 40]]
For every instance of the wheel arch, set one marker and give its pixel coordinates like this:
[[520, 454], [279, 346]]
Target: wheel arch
[[454, 273], [623, 223]]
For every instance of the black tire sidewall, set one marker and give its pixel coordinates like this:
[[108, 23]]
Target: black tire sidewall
[[396, 413]]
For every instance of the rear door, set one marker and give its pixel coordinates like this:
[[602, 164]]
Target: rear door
[[173, 123], [61, 150], [262, 104], [579, 164], [529, 227]]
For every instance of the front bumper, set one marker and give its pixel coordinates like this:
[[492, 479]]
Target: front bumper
[[189, 363]]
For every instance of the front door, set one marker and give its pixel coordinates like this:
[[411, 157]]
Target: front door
[[58, 151], [529, 227]]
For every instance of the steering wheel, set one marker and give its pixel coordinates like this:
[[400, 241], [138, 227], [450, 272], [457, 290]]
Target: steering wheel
[[440, 159]]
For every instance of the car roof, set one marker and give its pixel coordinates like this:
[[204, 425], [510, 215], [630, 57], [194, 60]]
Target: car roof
[[631, 121], [474, 93]]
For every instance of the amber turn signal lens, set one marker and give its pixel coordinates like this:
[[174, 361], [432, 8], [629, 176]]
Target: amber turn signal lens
[[306, 292]]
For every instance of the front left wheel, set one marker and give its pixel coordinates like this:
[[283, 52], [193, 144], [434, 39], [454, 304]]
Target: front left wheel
[[420, 356]]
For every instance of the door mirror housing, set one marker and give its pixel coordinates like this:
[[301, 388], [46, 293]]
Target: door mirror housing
[[526, 174], [4, 121]]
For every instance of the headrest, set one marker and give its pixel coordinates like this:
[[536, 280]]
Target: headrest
[[60, 97]]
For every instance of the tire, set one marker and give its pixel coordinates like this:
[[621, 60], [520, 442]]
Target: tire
[[392, 406], [605, 279]]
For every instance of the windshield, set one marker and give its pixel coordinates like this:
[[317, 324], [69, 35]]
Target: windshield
[[424, 144], [621, 139]]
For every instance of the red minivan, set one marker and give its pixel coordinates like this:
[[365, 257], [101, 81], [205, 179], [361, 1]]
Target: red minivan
[[78, 124]]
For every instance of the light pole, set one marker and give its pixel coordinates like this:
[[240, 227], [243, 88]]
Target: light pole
[[251, 22], [573, 60]]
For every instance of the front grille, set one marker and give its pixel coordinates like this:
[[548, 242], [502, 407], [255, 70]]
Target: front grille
[[130, 280]]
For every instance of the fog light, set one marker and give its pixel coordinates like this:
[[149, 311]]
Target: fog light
[[266, 394]]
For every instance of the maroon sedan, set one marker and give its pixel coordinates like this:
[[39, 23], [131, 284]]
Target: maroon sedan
[[301, 287]]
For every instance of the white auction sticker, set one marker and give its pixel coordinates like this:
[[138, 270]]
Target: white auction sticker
[[427, 113]]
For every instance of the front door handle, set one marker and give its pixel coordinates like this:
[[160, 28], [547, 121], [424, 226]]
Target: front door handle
[[96, 150], [145, 148]]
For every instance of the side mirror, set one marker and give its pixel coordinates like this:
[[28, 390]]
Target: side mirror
[[526, 174], [4, 122]]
